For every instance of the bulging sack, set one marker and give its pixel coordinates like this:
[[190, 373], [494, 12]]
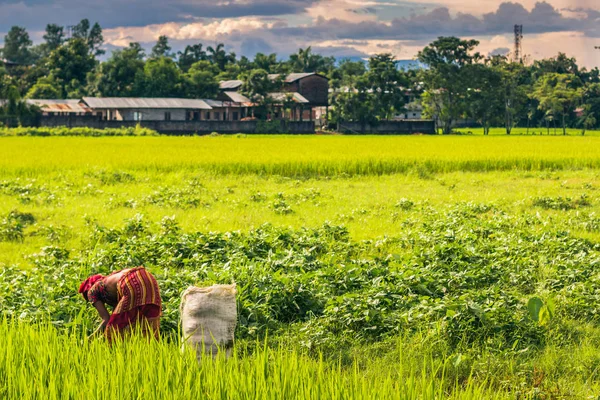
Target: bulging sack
[[208, 318]]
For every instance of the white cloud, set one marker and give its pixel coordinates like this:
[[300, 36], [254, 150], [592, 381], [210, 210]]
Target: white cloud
[[210, 30]]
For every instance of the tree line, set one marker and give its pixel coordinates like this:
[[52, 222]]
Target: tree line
[[456, 83]]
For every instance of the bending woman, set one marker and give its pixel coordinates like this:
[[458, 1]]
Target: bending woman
[[135, 297]]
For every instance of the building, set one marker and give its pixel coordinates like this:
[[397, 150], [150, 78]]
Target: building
[[148, 109], [309, 90], [312, 86], [61, 107], [291, 106], [412, 110], [236, 105]]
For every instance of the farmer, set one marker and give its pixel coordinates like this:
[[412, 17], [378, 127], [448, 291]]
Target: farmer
[[134, 296]]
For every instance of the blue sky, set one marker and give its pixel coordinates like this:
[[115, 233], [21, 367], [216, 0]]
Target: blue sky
[[332, 27]]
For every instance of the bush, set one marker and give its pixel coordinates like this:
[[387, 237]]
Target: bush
[[78, 131]]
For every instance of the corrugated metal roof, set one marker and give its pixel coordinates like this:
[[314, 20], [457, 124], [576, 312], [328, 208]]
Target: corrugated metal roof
[[144, 102], [64, 106], [295, 76], [296, 97], [237, 97], [214, 103], [234, 84]]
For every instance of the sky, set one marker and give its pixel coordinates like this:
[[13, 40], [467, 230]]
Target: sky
[[342, 28]]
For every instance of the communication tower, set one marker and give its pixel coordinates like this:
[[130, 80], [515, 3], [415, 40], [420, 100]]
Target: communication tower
[[518, 52]]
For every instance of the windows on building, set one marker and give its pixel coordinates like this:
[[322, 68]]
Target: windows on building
[[208, 115], [137, 115], [236, 116], [217, 115], [167, 115]]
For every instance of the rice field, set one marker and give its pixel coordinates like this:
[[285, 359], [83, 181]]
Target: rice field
[[367, 267], [300, 156], [36, 363]]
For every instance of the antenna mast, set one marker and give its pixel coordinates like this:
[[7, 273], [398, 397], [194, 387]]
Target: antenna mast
[[518, 52]]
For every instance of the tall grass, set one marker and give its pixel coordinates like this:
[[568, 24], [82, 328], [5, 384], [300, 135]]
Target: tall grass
[[38, 363], [301, 156]]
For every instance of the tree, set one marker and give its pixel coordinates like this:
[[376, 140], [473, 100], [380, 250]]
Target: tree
[[54, 37], [446, 80], [201, 80], [161, 48], [116, 76], [17, 46], [265, 62], [70, 64], [80, 31], [257, 86], [95, 40], [191, 54], [349, 71], [45, 88], [306, 61], [161, 77], [387, 84], [485, 95], [356, 105], [92, 37], [514, 86], [591, 107], [15, 111], [218, 56], [558, 94]]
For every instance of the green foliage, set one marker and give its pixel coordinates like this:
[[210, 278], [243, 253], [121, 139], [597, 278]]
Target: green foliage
[[69, 64], [83, 131], [17, 46], [447, 79], [307, 61], [116, 77], [561, 203], [557, 94], [15, 111], [272, 126], [161, 48], [455, 273], [45, 88], [161, 77], [201, 80]]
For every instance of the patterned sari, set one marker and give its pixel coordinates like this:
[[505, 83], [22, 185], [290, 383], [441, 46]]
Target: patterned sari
[[138, 305]]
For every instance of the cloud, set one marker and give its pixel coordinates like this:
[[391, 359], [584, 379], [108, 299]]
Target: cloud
[[334, 27], [113, 13], [543, 18]]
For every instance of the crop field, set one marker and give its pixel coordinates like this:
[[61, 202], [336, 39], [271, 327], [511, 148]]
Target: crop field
[[462, 267]]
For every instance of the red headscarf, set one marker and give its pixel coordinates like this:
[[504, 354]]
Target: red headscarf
[[88, 283]]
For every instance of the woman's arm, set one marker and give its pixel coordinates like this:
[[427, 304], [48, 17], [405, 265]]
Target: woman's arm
[[104, 314]]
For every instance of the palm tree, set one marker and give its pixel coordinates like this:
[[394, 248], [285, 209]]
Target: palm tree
[[219, 56]]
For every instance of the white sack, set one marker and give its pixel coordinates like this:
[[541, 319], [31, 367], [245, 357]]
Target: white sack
[[208, 318]]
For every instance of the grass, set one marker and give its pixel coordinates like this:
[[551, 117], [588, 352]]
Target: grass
[[459, 223], [36, 362]]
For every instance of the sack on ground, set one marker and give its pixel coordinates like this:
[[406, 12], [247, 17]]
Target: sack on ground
[[208, 318]]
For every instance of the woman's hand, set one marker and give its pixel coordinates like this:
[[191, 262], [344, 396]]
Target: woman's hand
[[99, 331]]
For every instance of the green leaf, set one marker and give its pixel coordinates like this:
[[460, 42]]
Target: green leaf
[[534, 306]]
